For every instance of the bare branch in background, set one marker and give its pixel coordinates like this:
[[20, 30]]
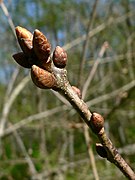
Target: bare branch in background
[[98, 29], [31, 118], [129, 57], [90, 25], [90, 151], [93, 70], [10, 101], [5, 10], [112, 94], [26, 155]]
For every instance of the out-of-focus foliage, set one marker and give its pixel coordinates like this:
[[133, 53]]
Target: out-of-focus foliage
[[49, 147]]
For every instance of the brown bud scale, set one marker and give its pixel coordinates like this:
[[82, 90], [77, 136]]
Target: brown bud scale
[[42, 78], [25, 40], [59, 57], [41, 46], [22, 60]]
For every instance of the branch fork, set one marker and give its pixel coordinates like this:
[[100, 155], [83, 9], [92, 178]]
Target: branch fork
[[49, 72]]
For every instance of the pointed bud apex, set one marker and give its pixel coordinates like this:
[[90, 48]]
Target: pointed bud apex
[[101, 150], [25, 40], [42, 78], [96, 122], [77, 91], [59, 57], [22, 60], [41, 47]]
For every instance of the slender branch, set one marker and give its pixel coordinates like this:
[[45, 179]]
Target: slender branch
[[43, 146], [64, 147], [32, 118], [93, 70], [111, 59], [129, 57], [90, 151], [90, 25], [23, 149], [108, 96], [11, 83], [5, 10], [10, 101]]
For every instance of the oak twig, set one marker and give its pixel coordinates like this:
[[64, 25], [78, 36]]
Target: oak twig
[[50, 73]]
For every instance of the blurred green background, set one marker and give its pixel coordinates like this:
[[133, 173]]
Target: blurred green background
[[38, 136]]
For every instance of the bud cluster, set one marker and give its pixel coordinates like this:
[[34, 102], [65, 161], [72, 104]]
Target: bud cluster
[[36, 54]]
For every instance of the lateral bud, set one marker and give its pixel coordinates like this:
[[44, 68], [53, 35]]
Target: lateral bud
[[22, 60], [96, 122], [42, 78], [59, 57], [101, 150], [77, 91]]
